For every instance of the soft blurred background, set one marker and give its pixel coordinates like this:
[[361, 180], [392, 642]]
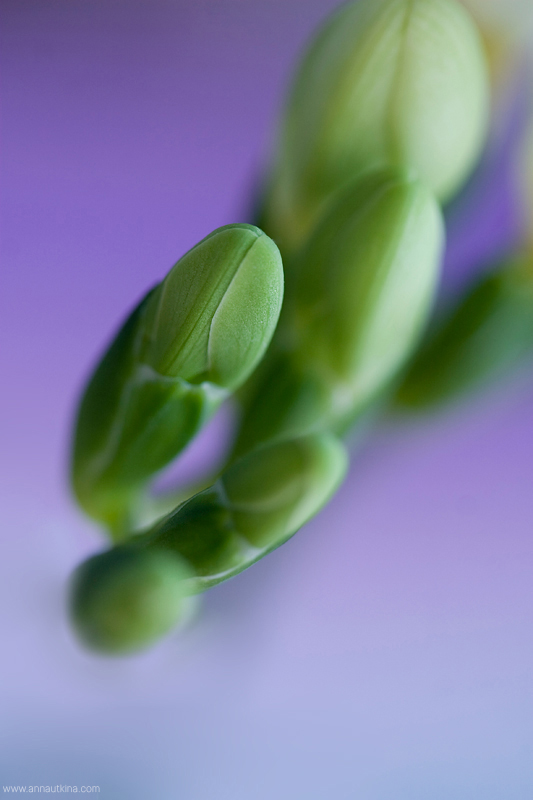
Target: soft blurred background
[[385, 653]]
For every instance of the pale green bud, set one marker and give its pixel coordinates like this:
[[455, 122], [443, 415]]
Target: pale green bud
[[213, 316], [386, 82], [126, 598], [484, 335], [364, 285], [257, 504], [366, 282], [272, 492]]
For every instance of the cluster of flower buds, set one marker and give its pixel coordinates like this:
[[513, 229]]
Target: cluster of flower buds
[[129, 596], [363, 286], [485, 332], [191, 342], [386, 119]]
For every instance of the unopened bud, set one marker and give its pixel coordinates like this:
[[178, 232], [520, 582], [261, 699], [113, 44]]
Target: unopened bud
[[124, 599], [272, 492], [213, 316], [257, 504], [192, 340], [386, 82], [366, 282], [364, 285]]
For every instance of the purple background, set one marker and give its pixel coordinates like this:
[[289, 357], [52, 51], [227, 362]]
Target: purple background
[[385, 652]]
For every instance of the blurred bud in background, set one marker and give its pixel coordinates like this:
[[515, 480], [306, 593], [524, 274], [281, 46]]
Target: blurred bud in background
[[366, 280], [386, 82], [486, 333], [503, 27], [125, 599], [507, 30], [365, 283]]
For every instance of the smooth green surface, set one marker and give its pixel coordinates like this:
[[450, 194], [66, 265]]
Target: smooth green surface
[[256, 505], [273, 492], [125, 599], [361, 291], [385, 82]]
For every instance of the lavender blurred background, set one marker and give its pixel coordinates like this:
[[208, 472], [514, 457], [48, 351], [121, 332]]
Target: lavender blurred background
[[385, 653]]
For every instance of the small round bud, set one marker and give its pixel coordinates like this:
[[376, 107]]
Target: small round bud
[[124, 599], [276, 489]]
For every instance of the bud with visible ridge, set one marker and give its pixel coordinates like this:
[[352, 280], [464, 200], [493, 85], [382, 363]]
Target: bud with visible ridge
[[188, 345], [213, 316]]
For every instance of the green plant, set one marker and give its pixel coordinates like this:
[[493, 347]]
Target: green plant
[[385, 120]]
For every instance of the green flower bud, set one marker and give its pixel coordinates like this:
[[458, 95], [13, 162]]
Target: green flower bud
[[191, 341], [213, 316], [272, 492], [386, 82], [257, 504], [485, 334], [365, 282], [126, 598]]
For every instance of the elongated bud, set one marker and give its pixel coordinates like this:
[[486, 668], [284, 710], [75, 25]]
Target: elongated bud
[[386, 82], [258, 503], [213, 316], [486, 334], [367, 280], [125, 599], [365, 283], [191, 341]]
